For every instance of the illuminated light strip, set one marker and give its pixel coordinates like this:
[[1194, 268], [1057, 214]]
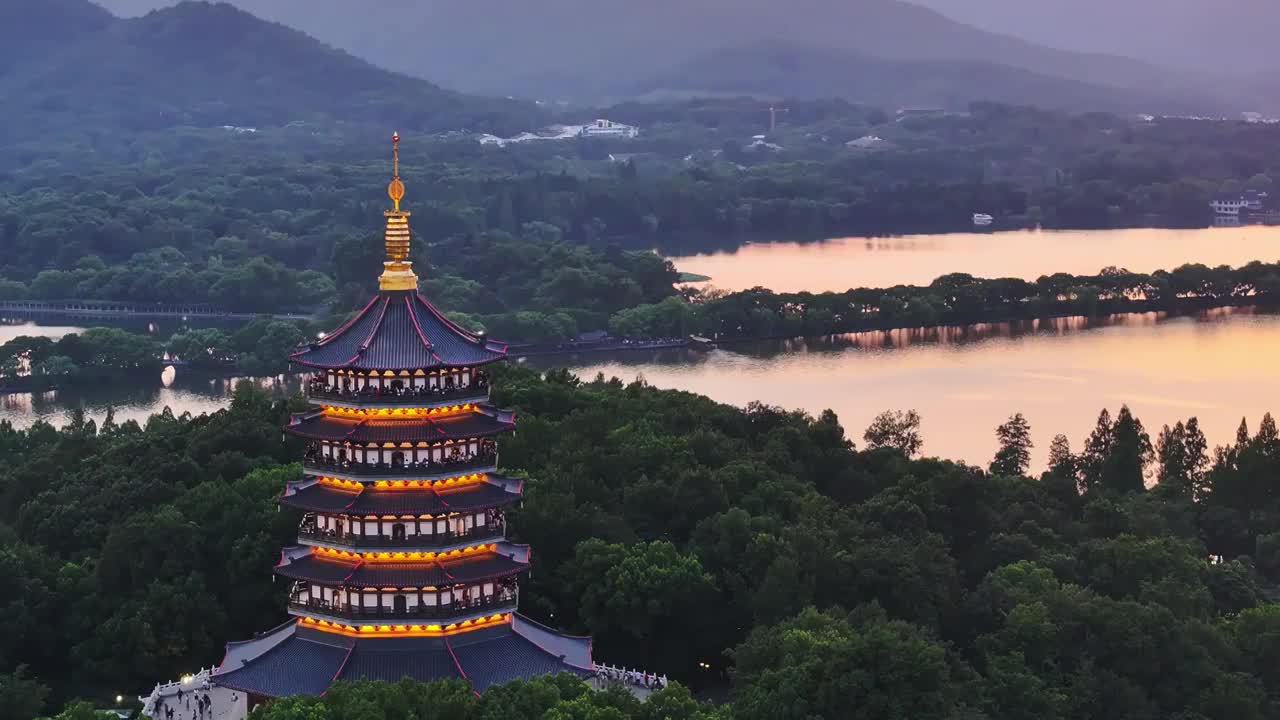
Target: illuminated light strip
[[325, 552], [398, 412], [406, 630], [456, 481]]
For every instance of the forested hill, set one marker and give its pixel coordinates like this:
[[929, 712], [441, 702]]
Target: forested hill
[[582, 48], [68, 66], [790, 70]]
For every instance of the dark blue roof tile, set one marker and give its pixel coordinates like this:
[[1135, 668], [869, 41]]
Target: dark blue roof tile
[[493, 492], [400, 331], [484, 421], [296, 666], [508, 560], [424, 660], [493, 661]]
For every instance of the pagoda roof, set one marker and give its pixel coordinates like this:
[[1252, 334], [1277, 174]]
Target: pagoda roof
[[507, 560], [399, 331], [484, 421], [494, 491], [299, 660]]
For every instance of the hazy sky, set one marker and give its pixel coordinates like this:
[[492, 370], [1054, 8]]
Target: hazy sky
[[1231, 35]]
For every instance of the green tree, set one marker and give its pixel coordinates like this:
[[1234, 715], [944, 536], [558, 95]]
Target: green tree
[[1116, 455], [1014, 455], [824, 665], [895, 429], [21, 696]]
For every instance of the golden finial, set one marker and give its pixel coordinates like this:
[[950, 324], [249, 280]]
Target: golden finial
[[396, 188], [397, 273]]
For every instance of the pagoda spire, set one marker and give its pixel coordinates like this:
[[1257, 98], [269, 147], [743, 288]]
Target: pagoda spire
[[397, 273]]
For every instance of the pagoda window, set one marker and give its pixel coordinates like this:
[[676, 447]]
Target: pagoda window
[[397, 532], [442, 527]]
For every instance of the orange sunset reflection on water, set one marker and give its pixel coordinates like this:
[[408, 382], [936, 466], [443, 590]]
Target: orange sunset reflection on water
[[843, 263], [965, 381]]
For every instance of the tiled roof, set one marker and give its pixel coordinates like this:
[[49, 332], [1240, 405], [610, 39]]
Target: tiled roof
[[493, 661], [296, 666], [310, 660], [508, 560], [400, 331], [423, 659], [493, 492], [480, 423]]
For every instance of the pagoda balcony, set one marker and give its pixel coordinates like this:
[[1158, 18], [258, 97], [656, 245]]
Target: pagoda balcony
[[319, 465], [311, 535], [454, 611], [322, 393]]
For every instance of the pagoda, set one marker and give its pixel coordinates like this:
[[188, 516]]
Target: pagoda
[[402, 567]]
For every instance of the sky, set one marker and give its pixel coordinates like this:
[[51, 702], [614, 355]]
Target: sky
[[1216, 35], [1227, 35]]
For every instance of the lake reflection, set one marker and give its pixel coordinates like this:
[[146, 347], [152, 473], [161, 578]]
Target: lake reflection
[[135, 399], [965, 381], [1218, 366], [844, 263]]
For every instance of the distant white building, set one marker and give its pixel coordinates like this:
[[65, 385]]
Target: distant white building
[[602, 128], [760, 142], [1234, 205], [868, 142]]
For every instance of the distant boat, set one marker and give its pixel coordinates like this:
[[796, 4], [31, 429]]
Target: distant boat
[[982, 219], [697, 342]]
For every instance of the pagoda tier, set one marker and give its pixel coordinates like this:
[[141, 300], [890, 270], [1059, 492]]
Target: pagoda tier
[[405, 515], [450, 587], [402, 569], [399, 330], [300, 659], [404, 425], [455, 495], [420, 388]]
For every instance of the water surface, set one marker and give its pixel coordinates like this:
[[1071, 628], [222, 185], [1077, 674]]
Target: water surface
[[844, 263], [965, 381]]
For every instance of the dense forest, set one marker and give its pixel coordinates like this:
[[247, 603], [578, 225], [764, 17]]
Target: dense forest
[[546, 240], [955, 299], [262, 346], [756, 548]]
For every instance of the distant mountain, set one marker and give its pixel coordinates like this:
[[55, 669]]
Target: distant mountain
[[557, 48], [207, 65], [777, 70], [1213, 37], [30, 30]]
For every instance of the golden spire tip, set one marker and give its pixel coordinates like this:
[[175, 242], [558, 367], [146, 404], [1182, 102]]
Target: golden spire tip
[[396, 188]]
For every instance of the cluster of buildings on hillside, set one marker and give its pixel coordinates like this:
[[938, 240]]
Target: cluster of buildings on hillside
[[1251, 207], [599, 129]]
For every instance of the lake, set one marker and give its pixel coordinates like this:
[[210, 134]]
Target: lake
[[1219, 367], [965, 381], [843, 263]]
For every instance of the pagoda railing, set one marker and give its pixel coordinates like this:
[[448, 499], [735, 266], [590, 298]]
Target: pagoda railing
[[317, 464], [349, 611], [408, 396], [346, 539]]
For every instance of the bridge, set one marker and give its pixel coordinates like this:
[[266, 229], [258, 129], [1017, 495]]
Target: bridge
[[119, 309]]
